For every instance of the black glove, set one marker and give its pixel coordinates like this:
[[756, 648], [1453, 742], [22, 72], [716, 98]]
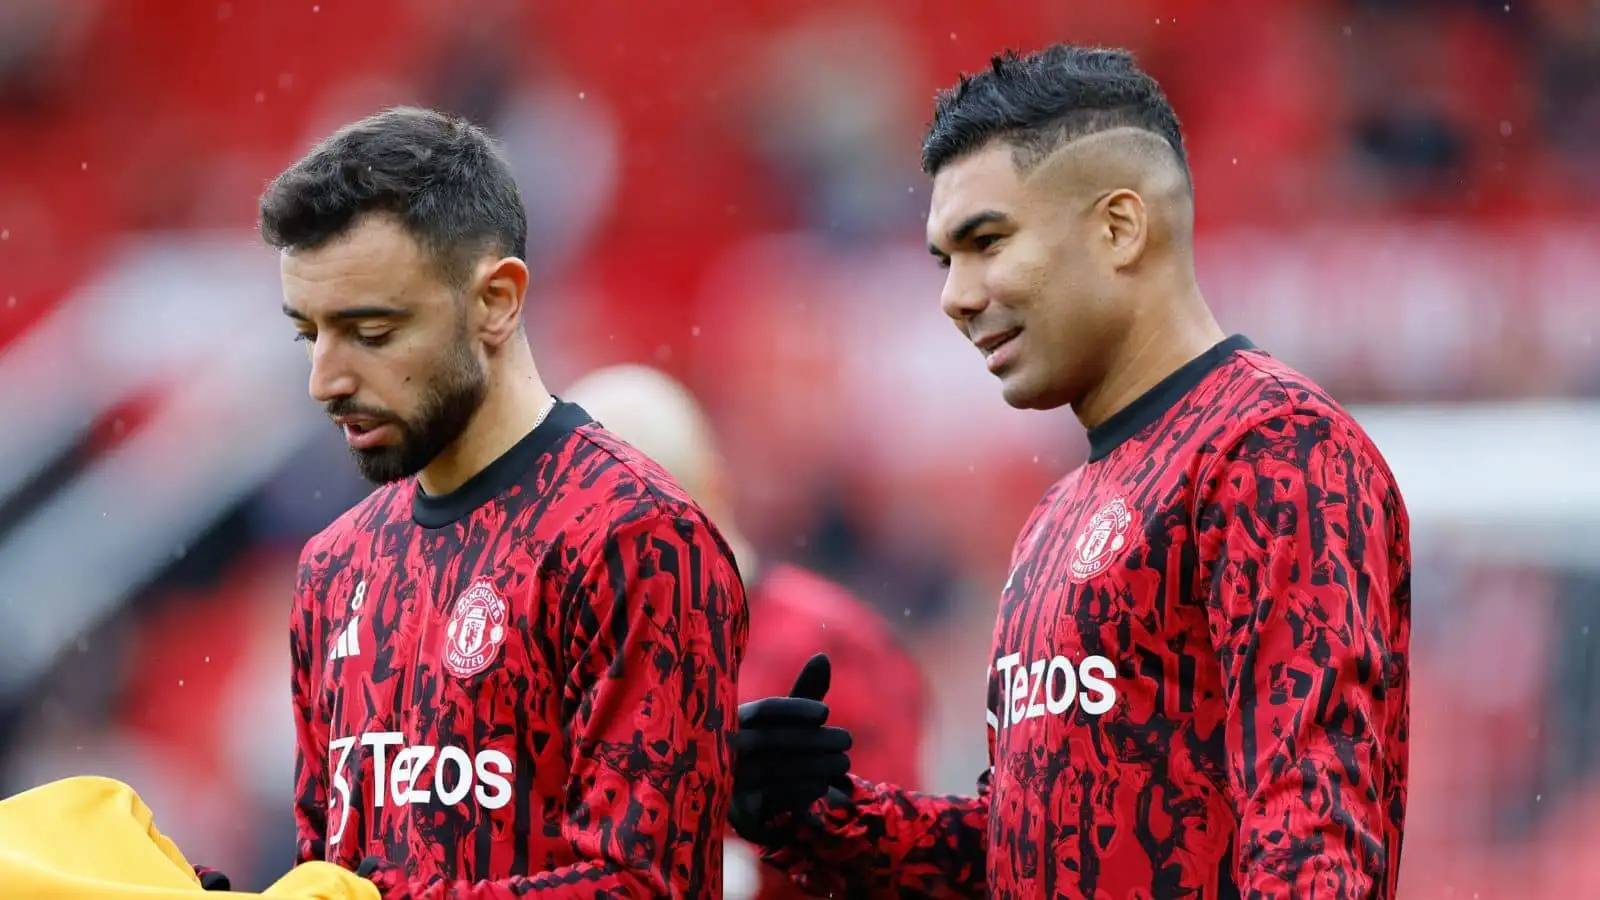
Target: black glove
[[212, 880], [786, 757], [389, 878]]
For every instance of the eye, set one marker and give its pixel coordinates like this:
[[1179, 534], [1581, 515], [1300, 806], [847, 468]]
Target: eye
[[302, 337], [984, 242], [372, 340]]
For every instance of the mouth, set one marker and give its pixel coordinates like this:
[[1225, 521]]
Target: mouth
[[989, 344], [999, 350], [363, 433]]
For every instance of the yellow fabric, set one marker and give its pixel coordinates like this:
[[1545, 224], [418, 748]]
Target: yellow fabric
[[91, 838]]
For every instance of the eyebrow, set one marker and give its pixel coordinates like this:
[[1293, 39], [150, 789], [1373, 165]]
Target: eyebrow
[[354, 312], [968, 225]]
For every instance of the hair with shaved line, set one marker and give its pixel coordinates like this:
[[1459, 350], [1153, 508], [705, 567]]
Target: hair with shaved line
[[1039, 102]]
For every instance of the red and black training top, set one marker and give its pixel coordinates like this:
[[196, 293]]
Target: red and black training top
[[1199, 683], [525, 688]]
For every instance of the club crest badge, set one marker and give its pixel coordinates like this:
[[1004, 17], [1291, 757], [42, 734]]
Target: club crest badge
[[1101, 540], [477, 629]]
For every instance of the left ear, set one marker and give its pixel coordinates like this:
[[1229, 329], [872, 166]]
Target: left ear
[[502, 286], [1125, 224]]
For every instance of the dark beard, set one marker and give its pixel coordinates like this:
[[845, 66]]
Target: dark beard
[[445, 412]]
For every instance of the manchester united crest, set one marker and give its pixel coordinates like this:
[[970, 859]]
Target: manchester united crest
[[477, 629], [1101, 540]]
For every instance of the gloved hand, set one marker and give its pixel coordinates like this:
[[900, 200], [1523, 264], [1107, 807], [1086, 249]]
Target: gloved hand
[[388, 877], [212, 880], [786, 757]]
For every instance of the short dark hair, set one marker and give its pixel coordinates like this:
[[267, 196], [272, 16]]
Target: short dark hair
[[441, 176], [1038, 102]]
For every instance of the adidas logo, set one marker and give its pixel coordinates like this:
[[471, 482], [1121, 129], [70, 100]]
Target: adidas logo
[[349, 642]]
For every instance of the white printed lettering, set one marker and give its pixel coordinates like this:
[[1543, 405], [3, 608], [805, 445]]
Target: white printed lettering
[[1035, 673], [408, 764], [1095, 675], [458, 757], [379, 742], [1051, 685], [492, 767], [400, 777], [339, 793], [1059, 701]]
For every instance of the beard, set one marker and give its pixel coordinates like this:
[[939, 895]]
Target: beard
[[452, 398]]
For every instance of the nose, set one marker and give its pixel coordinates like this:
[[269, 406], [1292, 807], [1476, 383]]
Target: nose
[[963, 296], [331, 378]]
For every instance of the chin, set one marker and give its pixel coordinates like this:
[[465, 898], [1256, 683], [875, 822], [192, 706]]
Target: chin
[[1021, 393]]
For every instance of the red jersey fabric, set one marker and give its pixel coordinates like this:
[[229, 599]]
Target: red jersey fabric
[[1199, 685], [524, 688]]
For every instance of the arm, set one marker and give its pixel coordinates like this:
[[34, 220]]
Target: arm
[[658, 624], [1305, 560], [311, 736], [884, 841]]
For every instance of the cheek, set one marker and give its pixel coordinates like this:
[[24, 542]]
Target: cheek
[[1023, 278], [399, 378]]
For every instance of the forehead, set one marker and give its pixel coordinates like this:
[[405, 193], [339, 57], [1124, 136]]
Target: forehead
[[985, 180], [375, 260]]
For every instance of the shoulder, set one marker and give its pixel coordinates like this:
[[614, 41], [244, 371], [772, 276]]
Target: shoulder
[[1291, 428], [1273, 410], [621, 491]]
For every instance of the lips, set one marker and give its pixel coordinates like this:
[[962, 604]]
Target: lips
[[357, 424], [367, 432], [992, 342]]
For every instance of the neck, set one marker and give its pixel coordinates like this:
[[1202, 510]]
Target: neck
[[516, 399], [1159, 343]]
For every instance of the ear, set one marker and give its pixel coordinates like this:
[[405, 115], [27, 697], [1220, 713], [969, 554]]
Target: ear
[[502, 286], [1125, 227]]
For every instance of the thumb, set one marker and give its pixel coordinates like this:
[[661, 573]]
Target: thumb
[[814, 678]]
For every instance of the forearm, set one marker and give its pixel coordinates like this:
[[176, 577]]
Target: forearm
[[887, 841], [1316, 819]]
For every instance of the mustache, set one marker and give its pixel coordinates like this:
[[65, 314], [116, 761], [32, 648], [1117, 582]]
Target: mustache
[[344, 406]]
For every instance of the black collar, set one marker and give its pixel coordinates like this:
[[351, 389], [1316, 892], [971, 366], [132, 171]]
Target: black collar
[[498, 477], [1154, 403]]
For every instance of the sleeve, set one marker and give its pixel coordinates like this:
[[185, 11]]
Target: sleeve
[[310, 731], [658, 625], [1305, 560], [885, 841]]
